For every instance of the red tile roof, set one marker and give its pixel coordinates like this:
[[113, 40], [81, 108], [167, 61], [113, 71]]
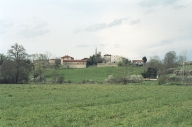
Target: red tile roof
[[66, 56]]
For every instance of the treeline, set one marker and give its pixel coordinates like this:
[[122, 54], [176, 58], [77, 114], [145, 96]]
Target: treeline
[[166, 69], [15, 67], [19, 67]]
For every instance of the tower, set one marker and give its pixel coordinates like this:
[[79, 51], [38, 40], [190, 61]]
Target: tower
[[96, 51]]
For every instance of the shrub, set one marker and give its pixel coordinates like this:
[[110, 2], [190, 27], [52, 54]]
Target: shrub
[[88, 81], [111, 79], [162, 80], [149, 73], [60, 79], [68, 81], [124, 79]]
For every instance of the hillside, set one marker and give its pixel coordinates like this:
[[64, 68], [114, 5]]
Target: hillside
[[93, 73]]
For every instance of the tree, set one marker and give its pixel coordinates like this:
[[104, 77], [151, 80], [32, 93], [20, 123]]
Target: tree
[[19, 61], [48, 55], [144, 59], [94, 59], [155, 63], [170, 59], [150, 73], [8, 71], [186, 75], [182, 58], [2, 58], [124, 62], [57, 63], [39, 71], [60, 79]]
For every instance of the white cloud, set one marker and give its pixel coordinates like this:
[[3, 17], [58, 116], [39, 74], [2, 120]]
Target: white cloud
[[5, 26], [32, 28], [152, 3], [96, 27], [135, 21], [101, 26]]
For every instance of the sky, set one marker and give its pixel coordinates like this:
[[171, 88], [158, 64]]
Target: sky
[[129, 28]]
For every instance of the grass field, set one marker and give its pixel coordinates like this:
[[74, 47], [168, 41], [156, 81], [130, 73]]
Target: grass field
[[95, 105], [94, 73]]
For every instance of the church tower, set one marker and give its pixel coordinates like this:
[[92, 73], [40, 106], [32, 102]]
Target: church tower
[[96, 51]]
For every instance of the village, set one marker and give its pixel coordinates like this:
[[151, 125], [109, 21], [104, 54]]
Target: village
[[68, 61]]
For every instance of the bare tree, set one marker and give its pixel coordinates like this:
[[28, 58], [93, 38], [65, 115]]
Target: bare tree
[[170, 59], [155, 62], [17, 66], [182, 59], [48, 55]]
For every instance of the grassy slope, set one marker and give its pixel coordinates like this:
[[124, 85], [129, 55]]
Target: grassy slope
[[94, 73], [95, 105]]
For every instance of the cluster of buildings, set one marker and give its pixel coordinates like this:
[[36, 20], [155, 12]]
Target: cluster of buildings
[[69, 62]]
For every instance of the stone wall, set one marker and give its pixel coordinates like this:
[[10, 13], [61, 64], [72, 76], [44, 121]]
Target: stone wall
[[107, 65], [74, 65], [42, 62]]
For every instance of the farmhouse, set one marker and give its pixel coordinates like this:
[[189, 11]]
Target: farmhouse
[[69, 62], [138, 62], [107, 58], [110, 60]]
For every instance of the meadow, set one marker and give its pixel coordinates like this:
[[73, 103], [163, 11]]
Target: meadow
[[95, 105], [98, 74]]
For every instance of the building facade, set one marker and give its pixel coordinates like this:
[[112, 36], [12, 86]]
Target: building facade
[[69, 62], [138, 62]]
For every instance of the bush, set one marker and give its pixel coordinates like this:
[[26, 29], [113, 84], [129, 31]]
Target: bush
[[162, 80], [111, 79], [124, 79], [60, 79], [149, 73], [88, 81], [68, 81]]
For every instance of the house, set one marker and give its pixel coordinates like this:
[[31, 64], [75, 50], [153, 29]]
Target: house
[[66, 57], [116, 59], [107, 58], [69, 62], [138, 62], [53, 61], [110, 60]]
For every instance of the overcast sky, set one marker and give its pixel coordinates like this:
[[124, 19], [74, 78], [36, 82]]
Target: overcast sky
[[130, 28]]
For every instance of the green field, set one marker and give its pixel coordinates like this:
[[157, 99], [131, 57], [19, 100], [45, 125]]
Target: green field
[[98, 74], [95, 105]]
